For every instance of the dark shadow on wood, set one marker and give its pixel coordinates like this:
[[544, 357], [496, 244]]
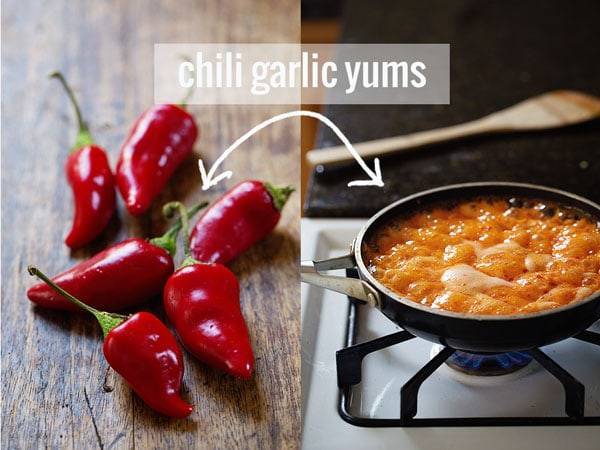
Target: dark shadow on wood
[[276, 250], [241, 396], [68, 322]]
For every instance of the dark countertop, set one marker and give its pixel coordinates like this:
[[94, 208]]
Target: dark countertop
[[501, 53]]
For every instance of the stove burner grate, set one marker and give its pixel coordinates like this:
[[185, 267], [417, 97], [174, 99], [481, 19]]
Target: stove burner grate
[[349, 373]]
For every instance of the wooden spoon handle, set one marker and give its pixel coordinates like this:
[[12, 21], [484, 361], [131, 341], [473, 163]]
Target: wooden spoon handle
[[378, 147], [549, 110]]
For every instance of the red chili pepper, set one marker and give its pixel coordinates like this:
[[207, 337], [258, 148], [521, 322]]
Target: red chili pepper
[[243, 216], [143, 351], [160, 140], [91, 180], [202, 301], [124, 275]]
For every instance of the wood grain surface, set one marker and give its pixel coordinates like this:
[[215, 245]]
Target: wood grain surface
[[57, 390]]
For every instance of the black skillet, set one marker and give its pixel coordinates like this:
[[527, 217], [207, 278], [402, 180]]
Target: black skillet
[[474, 333]]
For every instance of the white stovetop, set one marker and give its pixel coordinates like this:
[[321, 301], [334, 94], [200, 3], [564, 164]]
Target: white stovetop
[[323, 331]]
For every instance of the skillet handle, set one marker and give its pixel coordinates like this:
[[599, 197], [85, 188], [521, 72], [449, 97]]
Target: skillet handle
[[310, 273]]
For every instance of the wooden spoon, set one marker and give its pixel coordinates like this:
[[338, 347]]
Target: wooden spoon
[[550, 110]]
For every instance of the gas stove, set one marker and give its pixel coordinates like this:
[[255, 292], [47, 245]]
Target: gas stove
[[388, 389]]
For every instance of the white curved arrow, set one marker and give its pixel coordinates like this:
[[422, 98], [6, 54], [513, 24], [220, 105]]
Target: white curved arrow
[[210, 178]]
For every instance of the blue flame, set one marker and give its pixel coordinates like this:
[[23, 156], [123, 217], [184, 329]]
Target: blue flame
[[471, 362]]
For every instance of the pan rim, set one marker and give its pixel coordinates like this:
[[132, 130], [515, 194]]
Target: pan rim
[[365, 274]]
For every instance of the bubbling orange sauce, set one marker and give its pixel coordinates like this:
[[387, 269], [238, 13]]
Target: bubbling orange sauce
[[489, 256]]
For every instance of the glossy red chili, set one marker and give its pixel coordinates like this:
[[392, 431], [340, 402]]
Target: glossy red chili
[[124, 275], [202, 301], [160, 140], [143, 351], [91, 180], [243, 216]]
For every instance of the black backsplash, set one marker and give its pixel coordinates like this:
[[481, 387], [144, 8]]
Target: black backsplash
[[502, 52]]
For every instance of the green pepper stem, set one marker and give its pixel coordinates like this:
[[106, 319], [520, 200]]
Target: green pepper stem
[[279, 194], [183, 102], [190, 91], [107, 320], [169, 211], [168, 241], [84, 137], [189, 261]]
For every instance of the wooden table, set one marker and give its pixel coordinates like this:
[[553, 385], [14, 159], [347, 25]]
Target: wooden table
[[57, 390]]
